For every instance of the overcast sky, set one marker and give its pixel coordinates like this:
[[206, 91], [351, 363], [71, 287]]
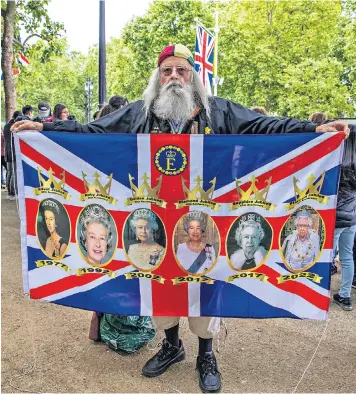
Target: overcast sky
[[81, 19]]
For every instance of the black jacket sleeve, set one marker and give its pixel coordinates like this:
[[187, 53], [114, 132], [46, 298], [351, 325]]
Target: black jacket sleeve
[[231, 118], [346, 199], [127, 119]]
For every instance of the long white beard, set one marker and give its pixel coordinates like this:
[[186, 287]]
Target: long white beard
[[175, 102]]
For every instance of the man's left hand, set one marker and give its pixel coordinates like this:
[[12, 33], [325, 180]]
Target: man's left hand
[[334, 126]]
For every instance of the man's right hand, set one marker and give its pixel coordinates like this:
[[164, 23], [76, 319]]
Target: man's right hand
[[26, 125]]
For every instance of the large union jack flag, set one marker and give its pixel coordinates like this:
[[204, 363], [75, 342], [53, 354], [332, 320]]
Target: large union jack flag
[[204, 57], [74, 171]]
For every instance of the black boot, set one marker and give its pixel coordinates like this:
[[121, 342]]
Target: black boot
[[167, 356], [209, 375]]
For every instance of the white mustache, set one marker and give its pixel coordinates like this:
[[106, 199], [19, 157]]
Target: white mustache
[[173, 83], [175, 101]]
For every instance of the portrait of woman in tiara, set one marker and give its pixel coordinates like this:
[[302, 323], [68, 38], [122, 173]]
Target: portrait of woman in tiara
[[197, 242], [253, 236], [144, 239], [301, 238], [96, 235], [53, 228]]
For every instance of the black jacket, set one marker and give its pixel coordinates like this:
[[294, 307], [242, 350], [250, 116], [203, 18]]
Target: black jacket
[[9, 141], [346, 200], [9, 138], [226, 117]]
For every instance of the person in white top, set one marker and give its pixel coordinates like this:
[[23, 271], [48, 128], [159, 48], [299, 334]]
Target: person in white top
[[195, 256]]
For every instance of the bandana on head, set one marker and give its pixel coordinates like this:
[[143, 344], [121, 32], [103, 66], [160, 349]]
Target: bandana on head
[[178, 50]]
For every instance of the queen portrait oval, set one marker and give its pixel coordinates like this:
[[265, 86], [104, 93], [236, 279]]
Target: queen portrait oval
[[96, 235], [144, 238], [53, 228], [196, 243], [249, 241], [301, 239]]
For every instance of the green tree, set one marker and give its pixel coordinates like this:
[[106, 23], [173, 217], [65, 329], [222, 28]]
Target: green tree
[[325, 91], [293, 57], [32, 16], [91, 69], [345, 48], [60, 79], [262, 43], [166, 22], [120, 78]]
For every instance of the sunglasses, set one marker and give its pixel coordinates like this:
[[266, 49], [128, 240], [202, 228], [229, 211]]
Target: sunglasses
[[181, 71]]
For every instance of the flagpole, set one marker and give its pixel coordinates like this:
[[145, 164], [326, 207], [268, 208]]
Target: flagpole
[[102, 54], [216, 30], [210, 31]]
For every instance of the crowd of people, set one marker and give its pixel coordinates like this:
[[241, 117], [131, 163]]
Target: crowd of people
[[175, 101], [43, 114], [8, 158]]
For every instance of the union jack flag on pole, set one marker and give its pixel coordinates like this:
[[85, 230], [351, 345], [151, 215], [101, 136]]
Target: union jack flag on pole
[[204, 57], [183, 225]]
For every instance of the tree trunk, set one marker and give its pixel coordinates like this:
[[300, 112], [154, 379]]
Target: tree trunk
[[7, 60]]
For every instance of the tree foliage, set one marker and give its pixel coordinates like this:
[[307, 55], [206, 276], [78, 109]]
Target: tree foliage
[[165, 23], [121, 80], [293, 57], [282, 51], [32, 16], [59, 80]]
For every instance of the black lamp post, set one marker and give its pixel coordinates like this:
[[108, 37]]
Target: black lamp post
[[102, 54]]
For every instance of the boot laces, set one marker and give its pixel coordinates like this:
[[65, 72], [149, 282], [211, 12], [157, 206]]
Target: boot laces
[[209, 365], [165, 351]]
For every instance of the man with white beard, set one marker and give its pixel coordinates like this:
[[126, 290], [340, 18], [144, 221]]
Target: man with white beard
[[176, 102]]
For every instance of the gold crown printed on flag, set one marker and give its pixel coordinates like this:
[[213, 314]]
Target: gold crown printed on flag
[[144, 193], [96, 189], [198, 196], [311, 192], [51, 185], [171, 154], [253, 196]]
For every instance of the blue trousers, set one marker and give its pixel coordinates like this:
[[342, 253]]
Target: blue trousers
[[344, 239], [3, 169]]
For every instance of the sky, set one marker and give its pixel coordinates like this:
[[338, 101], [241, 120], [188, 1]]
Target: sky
[[81, 19]]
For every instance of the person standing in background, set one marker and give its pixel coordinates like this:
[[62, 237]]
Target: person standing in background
[[27, 112], [11, 182], [60, 112], [318, 117], [44, 112], [345, 230]]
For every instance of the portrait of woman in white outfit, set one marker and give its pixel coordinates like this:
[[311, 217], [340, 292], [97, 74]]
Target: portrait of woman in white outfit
[[195, 255]]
